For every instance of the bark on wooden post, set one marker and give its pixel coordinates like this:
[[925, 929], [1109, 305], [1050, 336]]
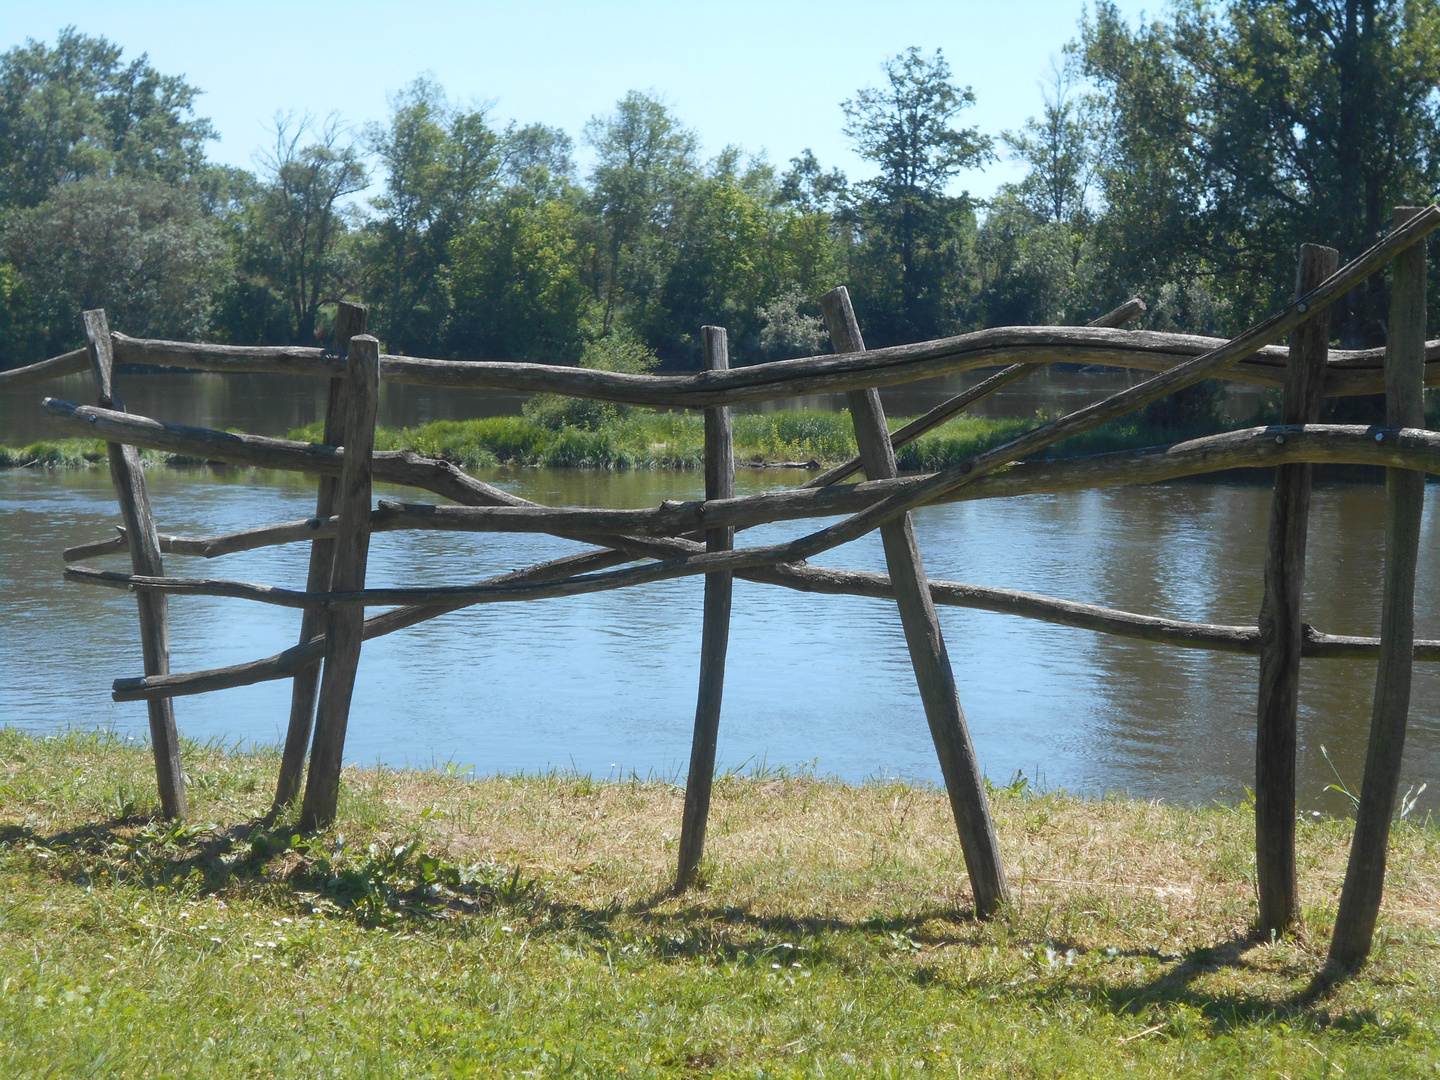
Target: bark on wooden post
[[933, 673], [128, 476], [349, 322], [715, 631], [1404, 504], [345, 625], [1281, 631]]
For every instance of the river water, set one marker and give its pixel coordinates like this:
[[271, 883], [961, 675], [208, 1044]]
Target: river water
[[606, 683]]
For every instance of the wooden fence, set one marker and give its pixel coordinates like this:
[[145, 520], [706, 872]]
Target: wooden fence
[[676, 539]]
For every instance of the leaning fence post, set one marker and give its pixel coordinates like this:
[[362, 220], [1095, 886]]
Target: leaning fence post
[[1281, 632], [345, 625], [349, 321], [128, 476], [1404, 504], [933, 673], [715, 630]]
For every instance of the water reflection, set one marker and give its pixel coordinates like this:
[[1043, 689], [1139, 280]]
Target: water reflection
[[608, 681]]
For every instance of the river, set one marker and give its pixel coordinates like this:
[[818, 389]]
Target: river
[[606, 683]]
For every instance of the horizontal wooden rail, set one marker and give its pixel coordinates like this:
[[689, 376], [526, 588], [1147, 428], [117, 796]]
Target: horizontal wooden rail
[[70, 363], [1181, 633], [404, 467], [1348, 372], [1249, 448]]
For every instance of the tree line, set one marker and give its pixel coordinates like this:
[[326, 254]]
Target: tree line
[[1183, 159]]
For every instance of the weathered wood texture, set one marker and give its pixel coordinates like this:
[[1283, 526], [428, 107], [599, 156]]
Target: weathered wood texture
[[71, 363], [715, 625], [1259, 447], [1282, 633], [1351, 372], [1404, 505], [349, 322], [963, 400], [1242, 640], [345, 627], [283, 665], [928, 656], [128, 476]]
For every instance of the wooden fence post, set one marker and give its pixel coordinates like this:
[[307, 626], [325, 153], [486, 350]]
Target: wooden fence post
[[1281, 631], [128, 476], [349, 322], [1404, 505], [345, 625], [933, 673], [715, 631]]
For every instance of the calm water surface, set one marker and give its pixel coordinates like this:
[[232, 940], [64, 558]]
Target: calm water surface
[[606, 683]]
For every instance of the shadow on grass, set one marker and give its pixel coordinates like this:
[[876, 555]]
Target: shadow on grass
[[398, 883]]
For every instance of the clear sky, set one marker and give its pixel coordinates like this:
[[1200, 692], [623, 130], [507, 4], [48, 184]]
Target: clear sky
[[766, 76]]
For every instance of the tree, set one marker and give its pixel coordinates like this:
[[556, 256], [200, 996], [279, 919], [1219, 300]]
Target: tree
[[645, 161], [441, 164], [75, 111], [811, 190], [517, 282], [291, 231], [1241, 133], [1057, 149], [140, 248], [911, 230]]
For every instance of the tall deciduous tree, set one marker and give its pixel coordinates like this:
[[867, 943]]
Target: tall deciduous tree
[[441, 163], [1240, 133], [912, 230], [76, 111], [645, 161], [143, 249], [292, 231]]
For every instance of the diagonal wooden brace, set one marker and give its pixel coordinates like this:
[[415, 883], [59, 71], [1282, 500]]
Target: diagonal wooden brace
[[933, 673]]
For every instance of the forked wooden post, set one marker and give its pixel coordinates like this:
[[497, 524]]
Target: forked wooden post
[[1404, 505], [1281, 632], [128, 476], [933, 673], [345, 625], [349, 322], [715, 630]]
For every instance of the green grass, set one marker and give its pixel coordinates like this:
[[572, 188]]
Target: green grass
[[76, 454], [656, 440], [651, 440], [521, 926]]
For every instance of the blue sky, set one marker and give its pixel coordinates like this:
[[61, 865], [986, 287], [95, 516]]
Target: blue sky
[[766, 76]]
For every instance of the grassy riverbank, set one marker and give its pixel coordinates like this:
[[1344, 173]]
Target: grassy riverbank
[[650, 440], [449, 927]]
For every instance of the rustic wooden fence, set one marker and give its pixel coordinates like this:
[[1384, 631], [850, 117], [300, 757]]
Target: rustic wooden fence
[[675, 539]]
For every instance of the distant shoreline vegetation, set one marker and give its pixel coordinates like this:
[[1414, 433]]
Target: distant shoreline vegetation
[[656, 440]]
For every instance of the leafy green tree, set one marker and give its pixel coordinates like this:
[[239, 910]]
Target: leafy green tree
[[76, 111], [142, 249], [441, 165], [645, 163], [517, 281], [1057, 148], [912, 232], [1237, 134], [290, 232], [810, 189], [620, 350], [740, 249]]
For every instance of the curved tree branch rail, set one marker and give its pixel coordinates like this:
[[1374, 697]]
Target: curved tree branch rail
[[678, 539]]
